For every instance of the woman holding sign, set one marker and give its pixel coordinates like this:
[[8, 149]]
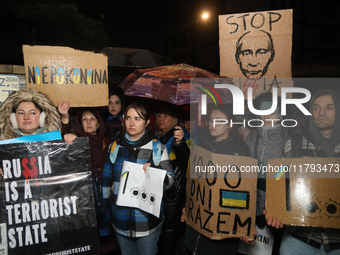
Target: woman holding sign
[[137, 231], [89, 123], [221, 141], [27, 112]]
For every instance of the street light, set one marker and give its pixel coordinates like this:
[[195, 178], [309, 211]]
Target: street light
[[205, 15]]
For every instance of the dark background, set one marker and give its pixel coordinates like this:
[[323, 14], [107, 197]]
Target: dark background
[[170, 28]]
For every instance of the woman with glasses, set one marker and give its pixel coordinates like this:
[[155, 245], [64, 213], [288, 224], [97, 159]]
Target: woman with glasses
[[221, 141]]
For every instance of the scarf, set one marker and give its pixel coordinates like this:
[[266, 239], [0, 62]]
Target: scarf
[[110, 117], [21, 134], [130, 141]]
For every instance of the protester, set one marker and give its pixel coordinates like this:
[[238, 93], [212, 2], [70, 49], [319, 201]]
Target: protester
[[321, 139], [137, 231], [176, 139], [27, 112], [244, 129], [265, 143], [89, 123], [221, 141], [113, 121]]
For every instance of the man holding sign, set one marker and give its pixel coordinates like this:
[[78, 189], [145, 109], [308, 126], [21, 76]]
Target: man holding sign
[[321, 140]]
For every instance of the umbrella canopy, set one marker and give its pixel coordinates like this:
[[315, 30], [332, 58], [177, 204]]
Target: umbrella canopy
[[177, 84]]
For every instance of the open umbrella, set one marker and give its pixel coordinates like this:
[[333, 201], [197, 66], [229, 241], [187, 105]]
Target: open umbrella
[[177, 84]]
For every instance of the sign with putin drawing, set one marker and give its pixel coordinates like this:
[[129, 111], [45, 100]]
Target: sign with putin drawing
[[255, 49]]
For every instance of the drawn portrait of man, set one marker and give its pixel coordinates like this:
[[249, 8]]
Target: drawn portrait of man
[[254, 57]]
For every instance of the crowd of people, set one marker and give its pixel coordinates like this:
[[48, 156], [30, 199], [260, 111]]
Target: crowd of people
[[131, 132]]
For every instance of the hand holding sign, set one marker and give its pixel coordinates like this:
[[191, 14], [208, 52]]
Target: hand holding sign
[[141, 188], [63, 108]]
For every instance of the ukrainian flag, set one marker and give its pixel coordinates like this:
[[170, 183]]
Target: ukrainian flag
[[234, 199]]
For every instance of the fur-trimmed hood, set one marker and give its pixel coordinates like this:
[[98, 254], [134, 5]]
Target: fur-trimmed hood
[[52, 119]]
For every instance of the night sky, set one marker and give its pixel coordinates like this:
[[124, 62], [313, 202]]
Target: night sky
[[132, 24]]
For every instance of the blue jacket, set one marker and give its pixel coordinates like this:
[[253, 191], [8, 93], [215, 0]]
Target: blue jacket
[[128, 221]]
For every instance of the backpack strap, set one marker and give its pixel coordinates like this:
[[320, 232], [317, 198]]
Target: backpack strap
[[156, 152], [114, 151]]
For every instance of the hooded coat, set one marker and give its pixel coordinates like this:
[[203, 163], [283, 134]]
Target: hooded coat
[[98, 144], [52, 119]]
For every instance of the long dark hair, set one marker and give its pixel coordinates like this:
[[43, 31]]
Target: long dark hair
[[225, 109], [120, 94]]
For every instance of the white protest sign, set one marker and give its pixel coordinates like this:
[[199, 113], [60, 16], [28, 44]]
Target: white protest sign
[[139, 189], [263, 243]]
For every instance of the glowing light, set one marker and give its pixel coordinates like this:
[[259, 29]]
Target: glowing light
[[205, 15]]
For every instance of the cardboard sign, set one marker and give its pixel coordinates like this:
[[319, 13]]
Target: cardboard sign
[[139, 189], [46, 198], [255, 49], [306, 194], [222, 203], [66, 74]]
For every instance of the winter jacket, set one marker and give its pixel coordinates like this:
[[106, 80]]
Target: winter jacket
[[265, 144], [98, 144], [128, 221], [52, 119], [113, 125], [174, 198], [230, 146]]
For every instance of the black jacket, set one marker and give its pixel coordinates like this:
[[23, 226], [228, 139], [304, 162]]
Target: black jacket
[[230, 146]]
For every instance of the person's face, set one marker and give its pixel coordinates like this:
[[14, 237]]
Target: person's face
[[115, 105], [269, 120], [254, 58], [187, 125], [27, 116], [89, 122], [134, 124], [324, 112], [243, 132], [165, 121], [220, 131]]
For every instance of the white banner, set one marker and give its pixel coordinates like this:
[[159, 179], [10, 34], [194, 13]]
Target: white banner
[[139, 189]]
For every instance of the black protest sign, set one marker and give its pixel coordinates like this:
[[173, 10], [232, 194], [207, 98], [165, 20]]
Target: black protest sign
[[221, 194], [46, 198]]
